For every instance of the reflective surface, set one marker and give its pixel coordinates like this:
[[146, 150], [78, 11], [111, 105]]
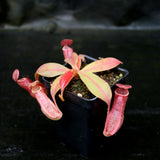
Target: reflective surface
[[25, 133]]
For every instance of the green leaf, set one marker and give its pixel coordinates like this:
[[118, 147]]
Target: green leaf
[[96, 86], [50, 70], [102, 65]]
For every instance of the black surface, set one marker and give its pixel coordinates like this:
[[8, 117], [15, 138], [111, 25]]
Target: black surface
[[25, 133]]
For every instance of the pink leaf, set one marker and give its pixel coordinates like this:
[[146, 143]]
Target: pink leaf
[[102, 65], [65, 79], [80, 60], [96, 86], [50, 70], [55, 87], [73, 61]]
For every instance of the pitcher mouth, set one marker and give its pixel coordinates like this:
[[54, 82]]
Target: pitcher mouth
[[122, 92]]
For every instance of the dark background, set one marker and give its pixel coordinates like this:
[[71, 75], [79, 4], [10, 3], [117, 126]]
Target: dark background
[[130, 32]]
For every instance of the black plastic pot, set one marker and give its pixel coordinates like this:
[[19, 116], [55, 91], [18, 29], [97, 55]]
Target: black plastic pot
[[82, 124]]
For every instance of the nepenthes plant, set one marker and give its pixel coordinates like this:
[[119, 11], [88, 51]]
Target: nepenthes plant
[[64, 75]]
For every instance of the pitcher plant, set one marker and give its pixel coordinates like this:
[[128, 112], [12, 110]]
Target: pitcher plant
[[64, 75]]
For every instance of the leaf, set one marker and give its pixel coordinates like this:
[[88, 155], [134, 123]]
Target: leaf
[[102, 65], [55, 87], [96, 86], [50, 70], [80, 59], [73, 61], [65, 79]]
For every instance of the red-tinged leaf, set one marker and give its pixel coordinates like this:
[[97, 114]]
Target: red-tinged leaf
[[67, 42], [55, 87], [96, 86], [65, 79], [50, 70], [67, 52], [80, 59], [102, 65], [73, 60]]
